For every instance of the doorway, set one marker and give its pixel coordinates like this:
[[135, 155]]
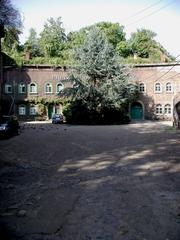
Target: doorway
[[137, 111]]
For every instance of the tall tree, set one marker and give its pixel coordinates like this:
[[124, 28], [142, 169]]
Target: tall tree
[[100, 81], [10, 25], [113, 31], [52, 38], [142, 42], [9, 15], [32, 43]]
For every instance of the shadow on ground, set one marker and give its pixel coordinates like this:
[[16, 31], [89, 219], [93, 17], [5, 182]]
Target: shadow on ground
[[91, 182]]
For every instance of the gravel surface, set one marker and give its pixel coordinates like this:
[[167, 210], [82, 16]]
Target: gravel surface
[[62, 182]]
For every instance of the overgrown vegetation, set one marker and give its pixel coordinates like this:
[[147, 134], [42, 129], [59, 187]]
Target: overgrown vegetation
[[53, 46]]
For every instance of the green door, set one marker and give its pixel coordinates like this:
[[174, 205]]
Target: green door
[[50, 111], [136, 111]]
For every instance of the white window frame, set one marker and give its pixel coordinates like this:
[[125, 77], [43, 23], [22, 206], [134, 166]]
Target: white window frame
[[169, 88], [159, 109], [33, 110], [159, 89], [8, 88], [22, 110], [167, 109], [33, 89], [58, 88], [142, 87], [48, 89], [21, 87]]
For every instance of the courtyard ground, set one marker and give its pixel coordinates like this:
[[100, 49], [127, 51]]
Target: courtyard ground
[[62, 182]]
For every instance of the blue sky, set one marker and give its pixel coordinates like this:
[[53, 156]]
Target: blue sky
[[160, 16]]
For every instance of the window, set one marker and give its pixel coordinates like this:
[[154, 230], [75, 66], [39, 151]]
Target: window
[[59, 87], [167, 109], [33, 88], [8, 88], [22, 88], [48, 88], [168, 87], [158, 88], [33, 110], [142, 87], [22, 110], [159, 109]]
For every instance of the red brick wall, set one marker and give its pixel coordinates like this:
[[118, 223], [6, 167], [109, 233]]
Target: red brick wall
[[147, 74]]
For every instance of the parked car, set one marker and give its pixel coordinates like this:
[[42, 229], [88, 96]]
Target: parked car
[[57, 118], [9, 126]]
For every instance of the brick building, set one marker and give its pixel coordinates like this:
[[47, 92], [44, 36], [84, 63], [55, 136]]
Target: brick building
[[27, 87], [159, 86]]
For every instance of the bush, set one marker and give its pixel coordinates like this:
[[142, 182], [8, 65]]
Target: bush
[[78, 113]]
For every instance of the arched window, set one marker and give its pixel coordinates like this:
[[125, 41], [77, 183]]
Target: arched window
[[158, 88], [159, 109], [33, 88], [8, 88], [167, 109], [48, 88], [22, 110], [142, 87], [168, 87], [59, 87], [22, 88], [33, 110]]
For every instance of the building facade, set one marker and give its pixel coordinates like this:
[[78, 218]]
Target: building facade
[[31, 91], [159, 86]]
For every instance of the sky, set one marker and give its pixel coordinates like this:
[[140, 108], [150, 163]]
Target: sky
[[160, 16]]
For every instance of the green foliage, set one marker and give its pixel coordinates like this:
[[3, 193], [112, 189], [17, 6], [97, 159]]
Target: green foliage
[[52, 38], [123, 49], [55, 48], [100, 82], [143, 44], [113, 31], [76, 39], [41, 109], [46, 101], [9, 16], [32, 44]]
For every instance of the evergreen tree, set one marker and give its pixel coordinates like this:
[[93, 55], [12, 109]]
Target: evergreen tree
[[52, 38], [100, 81]]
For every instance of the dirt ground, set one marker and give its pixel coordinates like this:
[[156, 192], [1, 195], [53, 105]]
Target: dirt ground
[[61, 182]]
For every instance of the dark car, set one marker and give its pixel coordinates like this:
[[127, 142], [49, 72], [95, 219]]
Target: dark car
[[57, 118], [9, 126]]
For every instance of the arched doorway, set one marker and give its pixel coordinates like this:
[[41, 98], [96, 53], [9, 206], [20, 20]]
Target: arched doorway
[[178, 109], [137, 111]]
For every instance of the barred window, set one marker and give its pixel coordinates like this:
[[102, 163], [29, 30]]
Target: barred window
[[22, 88], [48, 88], [168, 87], [158, 88], [33, 88], [8, 88], [59, 87], [167, 109], [142, 87], [22, 110], [159, 109], [33, 110]]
